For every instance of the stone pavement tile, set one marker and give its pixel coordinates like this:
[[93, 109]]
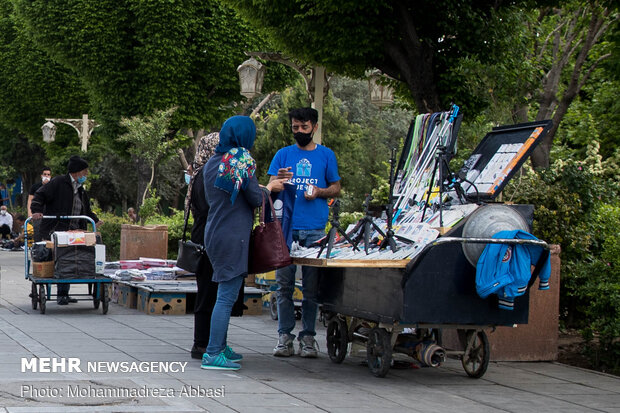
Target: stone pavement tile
[[566, 388], [67, 349], [247, 402], [123, 343], [511, 376], [503, 397], [352, 398], [595, 401], [117, 333], [85, 356], [167, 354]]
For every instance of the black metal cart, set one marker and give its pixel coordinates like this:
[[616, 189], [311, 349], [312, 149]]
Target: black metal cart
[[41, 290], [403, 306]]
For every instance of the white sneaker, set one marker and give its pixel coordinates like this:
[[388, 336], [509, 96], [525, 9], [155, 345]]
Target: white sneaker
[[308, 347], [284, 348]]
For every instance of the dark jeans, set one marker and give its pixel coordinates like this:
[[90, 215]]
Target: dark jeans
[[63, 289], [205, 300]]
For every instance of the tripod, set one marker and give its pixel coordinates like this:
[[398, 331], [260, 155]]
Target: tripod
[[365, 224], [388, 240], [440, 162], [331, 235]]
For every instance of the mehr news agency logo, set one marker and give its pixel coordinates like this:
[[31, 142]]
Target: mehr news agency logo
[[74, 365]]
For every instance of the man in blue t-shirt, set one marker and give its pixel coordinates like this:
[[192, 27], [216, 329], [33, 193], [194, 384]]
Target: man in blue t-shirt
[[314, 170]]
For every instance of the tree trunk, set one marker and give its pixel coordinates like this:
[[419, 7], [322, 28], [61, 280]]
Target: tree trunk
[[143, 172], [411, 60], [575, 43]]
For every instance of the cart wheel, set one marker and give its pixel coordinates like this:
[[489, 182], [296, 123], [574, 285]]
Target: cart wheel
[[379, 351], [477, 354], [34, 296], [104, 299], [96, 299], [42, 298], [337, 339], [273, 306]]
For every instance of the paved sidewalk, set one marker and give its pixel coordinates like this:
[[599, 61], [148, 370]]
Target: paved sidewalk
[[264, 384]]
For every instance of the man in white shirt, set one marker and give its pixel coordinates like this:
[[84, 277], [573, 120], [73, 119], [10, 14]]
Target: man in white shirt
[[6, 223]]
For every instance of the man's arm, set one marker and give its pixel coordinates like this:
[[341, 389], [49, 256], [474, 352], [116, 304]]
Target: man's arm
[[30, 197], [332, 191]]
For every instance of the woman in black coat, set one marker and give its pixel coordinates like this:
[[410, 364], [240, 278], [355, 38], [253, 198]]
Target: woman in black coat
[[232, 192], [206, 288]]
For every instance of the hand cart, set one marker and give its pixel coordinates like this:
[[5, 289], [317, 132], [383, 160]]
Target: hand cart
[[402, 306], [41, 291]]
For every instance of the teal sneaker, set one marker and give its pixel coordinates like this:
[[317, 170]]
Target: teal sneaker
[[231, 355], [219, 362]]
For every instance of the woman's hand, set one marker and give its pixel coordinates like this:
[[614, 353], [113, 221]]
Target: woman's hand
[[276, 185]]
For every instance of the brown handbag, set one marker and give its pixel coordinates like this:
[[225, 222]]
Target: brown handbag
[[268, 250]]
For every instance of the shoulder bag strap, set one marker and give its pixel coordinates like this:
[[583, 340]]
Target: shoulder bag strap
[[186, 214]]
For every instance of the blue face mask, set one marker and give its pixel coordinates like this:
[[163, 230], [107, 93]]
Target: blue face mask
[[188, 177], [81, 179]]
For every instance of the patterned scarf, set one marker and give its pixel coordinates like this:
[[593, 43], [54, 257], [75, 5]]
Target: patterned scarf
[[235, 171], [204, 151]]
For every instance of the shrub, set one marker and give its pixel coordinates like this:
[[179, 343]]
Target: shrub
[[175, 229], [111, 234], [576, 207], [601, 289]]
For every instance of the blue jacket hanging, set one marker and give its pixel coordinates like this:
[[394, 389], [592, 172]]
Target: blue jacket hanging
[[505, 270]]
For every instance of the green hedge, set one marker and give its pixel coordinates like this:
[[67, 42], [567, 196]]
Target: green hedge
[[111, 231], [576, 206]]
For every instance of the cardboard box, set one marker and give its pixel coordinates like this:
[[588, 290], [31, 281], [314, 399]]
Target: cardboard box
[[250, 280], [161, 303], [253, 299], [43, 269], [144, 241], [254, 304], [66, 238], [127, 296], [113, 292], [99, 258]]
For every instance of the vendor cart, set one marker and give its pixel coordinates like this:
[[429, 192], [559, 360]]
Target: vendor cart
[[402, 306], [41, 290]]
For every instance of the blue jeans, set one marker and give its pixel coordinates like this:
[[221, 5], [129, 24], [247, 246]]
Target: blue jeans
[[227, 292], [285, 277]]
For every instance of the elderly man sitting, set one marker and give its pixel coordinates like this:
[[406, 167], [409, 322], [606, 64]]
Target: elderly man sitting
[[6, 223]]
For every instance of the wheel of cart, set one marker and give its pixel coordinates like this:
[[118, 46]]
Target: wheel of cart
[[477, 353], [41, 288], [337, 338], [42, 298], [379, 351], [273, 305], [34, 296], [99, 293]]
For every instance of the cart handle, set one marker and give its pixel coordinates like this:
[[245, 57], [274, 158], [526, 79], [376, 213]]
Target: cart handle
[[448, 240], [26, 266]]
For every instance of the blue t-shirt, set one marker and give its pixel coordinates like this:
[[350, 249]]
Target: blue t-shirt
[[317, 167]]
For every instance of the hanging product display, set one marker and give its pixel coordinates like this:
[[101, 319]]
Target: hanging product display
[[426, 199]]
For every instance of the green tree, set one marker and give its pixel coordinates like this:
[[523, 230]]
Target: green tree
[[551, 57], [34, 87], [128, 58], [360, 135], [149, 140], [416, 43]]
